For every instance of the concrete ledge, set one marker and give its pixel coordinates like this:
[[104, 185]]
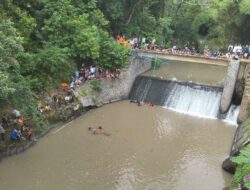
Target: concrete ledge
[[187, 58]]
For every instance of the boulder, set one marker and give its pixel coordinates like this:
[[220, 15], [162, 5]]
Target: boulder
[[229, 166]]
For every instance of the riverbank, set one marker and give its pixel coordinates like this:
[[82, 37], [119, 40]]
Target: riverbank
[[240, 169], [112, 90]]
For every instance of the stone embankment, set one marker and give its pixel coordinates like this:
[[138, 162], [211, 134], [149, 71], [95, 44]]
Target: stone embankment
[[114, 89]]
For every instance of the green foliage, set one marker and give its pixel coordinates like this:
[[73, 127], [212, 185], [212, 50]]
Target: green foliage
[[245, 7], [213, 22], [47, 67], [243, 162], [155, 64], [10, 47], [243, 168], [96, 85], [241, 171], [5, 88], [244, 157], [112, 54], [65, 27], [10, 41], [14, 90]]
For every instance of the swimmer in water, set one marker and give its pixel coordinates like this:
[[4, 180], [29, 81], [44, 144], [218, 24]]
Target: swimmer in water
[[98, 131]]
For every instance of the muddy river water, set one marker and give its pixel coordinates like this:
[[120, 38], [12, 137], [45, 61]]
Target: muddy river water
[[198, 73], [148, 149]]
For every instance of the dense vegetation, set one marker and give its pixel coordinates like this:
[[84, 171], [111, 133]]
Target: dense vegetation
[[243, 162], [43, 41], [181, 22]]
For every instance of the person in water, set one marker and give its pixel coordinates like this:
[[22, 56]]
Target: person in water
[[97, 131]]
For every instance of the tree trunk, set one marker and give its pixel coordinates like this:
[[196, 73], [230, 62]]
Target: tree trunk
[[132, 12]]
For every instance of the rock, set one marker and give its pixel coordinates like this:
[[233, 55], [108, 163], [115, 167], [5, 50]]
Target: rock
[[87, 101], [238, 93], [229, 166]]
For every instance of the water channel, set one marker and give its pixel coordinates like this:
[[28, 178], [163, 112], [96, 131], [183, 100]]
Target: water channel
[[150, 148], [199, 73]]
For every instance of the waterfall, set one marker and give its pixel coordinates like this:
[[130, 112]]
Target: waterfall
[[193, 99], [232, 114]]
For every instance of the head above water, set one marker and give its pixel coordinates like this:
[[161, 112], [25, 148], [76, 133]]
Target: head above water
[[90, 128], [100, 127]]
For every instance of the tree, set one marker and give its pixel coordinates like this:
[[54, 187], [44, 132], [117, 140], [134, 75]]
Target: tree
[[112, 54]]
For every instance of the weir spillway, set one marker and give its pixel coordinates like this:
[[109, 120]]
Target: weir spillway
[[193, 99]]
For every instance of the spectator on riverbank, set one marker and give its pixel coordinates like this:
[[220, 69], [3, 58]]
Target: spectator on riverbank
[[117, 73], [28, 133], [67, 99], [5, 121], [15, 135], [246, 52], [16, 113], [20, 124], [2, 133], [47, 107]]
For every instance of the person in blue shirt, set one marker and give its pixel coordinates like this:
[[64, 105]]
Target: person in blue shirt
[[14, 135]]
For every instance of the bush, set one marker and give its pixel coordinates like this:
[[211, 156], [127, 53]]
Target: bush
[[112, 54], [96, 85], [155, 64], [243, 168]]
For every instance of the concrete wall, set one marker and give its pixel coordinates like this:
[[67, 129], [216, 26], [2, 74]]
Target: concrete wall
[[246, 96], [114, 90], [229, 85]]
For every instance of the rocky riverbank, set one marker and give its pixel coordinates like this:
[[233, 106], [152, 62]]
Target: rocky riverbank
[[87, 98]]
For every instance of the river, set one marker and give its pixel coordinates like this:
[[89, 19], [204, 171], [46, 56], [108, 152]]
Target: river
[[148, 149]]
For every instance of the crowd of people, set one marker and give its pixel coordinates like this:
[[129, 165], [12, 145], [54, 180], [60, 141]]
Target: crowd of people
[[17, 126], [233, 51], [90, 73], [67, 92], [238, 51]]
